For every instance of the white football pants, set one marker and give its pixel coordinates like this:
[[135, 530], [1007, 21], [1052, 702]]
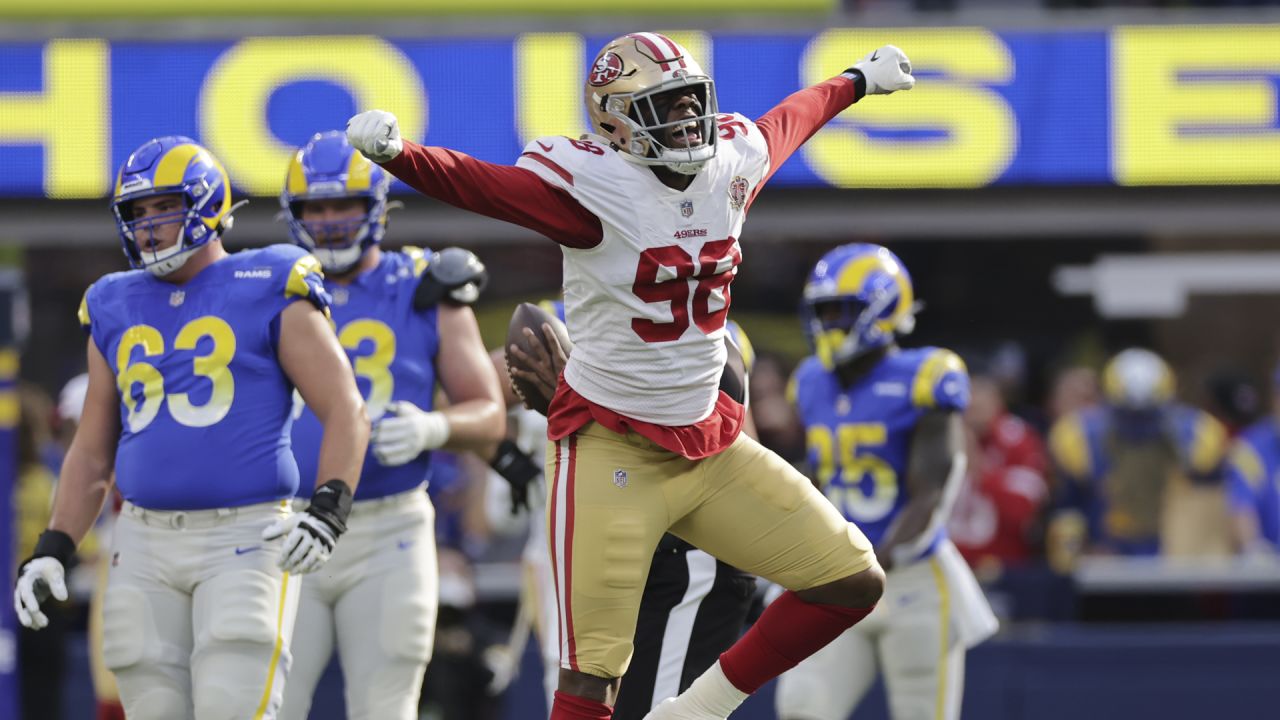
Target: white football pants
[[196, 616], [377, 598], [931, 613]]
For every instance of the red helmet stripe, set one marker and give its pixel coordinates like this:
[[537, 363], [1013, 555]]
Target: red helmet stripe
[[675, 49], [658, 55]]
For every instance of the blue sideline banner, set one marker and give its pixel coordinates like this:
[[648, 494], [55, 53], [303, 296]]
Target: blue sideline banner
[[1130, 105]]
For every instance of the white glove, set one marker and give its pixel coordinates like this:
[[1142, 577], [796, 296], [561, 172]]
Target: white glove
[[40, 577], [407, 431], [376, 134], [308, 542], [886, 70]]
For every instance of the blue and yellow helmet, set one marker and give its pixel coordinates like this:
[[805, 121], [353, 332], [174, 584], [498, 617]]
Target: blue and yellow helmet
[[553, 307], [1138, 379], [858, 298], [328, 167], [172, 165]]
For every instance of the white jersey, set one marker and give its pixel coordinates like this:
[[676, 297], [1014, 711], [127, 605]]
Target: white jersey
[[646, 307]]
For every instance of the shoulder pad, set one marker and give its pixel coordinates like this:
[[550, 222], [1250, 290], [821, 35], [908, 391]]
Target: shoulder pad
[[454, 276], [941, 381], [83, 312], [743, 133], [1207, 444], [305, 281], [418, 257], [1069, 447], [559, 160], [1245, 461]]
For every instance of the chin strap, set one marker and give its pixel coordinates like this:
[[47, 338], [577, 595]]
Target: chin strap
[[228, 220]]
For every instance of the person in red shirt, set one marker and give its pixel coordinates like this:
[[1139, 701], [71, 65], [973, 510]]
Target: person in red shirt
[[1005, 489]]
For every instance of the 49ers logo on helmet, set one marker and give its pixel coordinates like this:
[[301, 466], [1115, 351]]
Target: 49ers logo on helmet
[[608, 68]]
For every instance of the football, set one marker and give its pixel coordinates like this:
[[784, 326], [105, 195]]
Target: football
[[528, 315]]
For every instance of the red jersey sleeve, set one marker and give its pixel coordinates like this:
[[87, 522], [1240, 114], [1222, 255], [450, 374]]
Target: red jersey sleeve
[[794, 120], [504, 192]]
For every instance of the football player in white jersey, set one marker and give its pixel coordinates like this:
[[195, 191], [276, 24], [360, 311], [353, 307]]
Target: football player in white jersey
[[648, 211], [693, 607]]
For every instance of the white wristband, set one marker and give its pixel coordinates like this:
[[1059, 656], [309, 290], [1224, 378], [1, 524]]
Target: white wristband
[[434, 429]]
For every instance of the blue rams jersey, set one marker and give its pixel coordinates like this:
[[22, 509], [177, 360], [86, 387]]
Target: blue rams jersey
[[1253, 477], [392, 348], [205, 406], [859, 437], [1081, 447]]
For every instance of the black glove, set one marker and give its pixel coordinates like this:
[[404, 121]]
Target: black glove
[[454, 276], [310, 536], [518, 470]]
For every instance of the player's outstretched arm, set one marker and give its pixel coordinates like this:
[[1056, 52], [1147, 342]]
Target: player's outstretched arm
[[315, 363], [503, 192], [935, 470], [794, 120], [82, 489]]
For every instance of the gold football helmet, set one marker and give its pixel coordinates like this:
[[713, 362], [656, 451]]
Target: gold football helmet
[[1138, 379], [621, 86]]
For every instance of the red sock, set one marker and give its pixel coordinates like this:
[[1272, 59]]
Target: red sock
[[572, 707], [788, 631], [110, 710]]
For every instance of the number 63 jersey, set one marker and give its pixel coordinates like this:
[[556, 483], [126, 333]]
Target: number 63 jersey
[[646, 306], [205, 407], [859, 436]]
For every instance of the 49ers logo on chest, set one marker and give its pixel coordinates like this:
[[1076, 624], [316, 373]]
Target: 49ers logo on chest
[[738, 192], [608, 68]]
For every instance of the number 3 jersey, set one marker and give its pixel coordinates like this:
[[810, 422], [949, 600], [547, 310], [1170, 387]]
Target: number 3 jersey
[[646, 306], [392, 348], [859, 436], [205, 406]]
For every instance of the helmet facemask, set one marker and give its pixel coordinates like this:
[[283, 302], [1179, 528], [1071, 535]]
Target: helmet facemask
[[337, 244], [328, 170], [638, 125], [192, 235]]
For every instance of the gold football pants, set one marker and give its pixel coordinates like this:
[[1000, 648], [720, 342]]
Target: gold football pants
[[611, 497]]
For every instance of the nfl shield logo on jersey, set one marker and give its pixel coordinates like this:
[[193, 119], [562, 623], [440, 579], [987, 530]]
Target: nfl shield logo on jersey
[[620, 478], [738, 192], [686, 208], [176, 297]]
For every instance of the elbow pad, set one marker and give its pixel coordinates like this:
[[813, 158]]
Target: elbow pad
[[454, 276]]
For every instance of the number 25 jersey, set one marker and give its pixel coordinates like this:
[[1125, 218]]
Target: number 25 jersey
[[859, 436], [205, 407]]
